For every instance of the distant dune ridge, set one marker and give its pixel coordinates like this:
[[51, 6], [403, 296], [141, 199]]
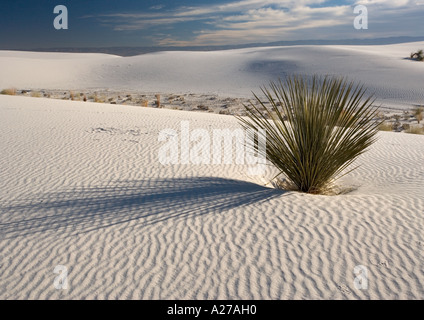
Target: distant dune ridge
[[134, 51], [82, 188], [383, 69]]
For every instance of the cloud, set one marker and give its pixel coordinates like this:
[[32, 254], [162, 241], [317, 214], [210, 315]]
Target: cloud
[[386, 3], [157, 7], [264, 20]]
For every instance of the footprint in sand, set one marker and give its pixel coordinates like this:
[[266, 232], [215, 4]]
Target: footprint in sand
[[344, 289], [381, 264]]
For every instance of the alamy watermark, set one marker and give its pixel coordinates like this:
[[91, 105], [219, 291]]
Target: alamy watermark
[[60, 21], [361, 21], [361, 280], [222, 146], [61, 281]]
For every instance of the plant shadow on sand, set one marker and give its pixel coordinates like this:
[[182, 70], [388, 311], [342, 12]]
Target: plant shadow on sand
[[145, 202]]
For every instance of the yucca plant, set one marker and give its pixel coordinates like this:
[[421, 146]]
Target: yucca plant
[[314, 129], [419, 55]]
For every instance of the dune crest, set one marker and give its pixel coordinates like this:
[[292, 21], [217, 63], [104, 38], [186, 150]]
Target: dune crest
[[384, 69]]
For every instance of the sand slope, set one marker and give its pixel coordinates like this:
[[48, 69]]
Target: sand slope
[[81, 186], [384, 69]]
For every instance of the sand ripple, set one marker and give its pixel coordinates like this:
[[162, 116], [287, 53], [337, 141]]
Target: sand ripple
[[127, 227]]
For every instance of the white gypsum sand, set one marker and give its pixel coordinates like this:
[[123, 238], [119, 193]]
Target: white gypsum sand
[[81, 186]]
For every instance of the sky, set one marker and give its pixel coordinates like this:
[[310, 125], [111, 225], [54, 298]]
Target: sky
[[26, 24]]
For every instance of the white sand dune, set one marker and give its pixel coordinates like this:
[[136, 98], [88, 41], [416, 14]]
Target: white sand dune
[[383, 69], [81, 186]]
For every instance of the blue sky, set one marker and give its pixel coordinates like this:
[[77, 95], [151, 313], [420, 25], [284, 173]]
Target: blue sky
[[94, 23]]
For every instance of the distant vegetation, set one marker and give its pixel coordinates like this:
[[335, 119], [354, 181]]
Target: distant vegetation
[[9, 91], [419, 55], [384, 126], [418, 113], [415, 130], [35, 94]]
